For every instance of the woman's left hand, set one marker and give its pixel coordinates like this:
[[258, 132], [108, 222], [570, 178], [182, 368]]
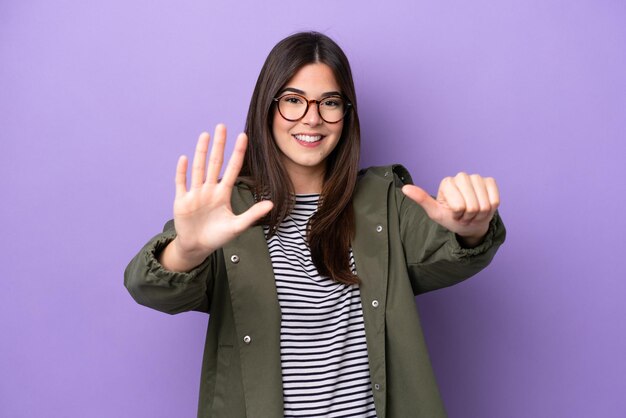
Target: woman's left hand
[[465, 205]]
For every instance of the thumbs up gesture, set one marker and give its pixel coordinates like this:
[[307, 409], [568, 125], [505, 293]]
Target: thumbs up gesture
[[464, 205]]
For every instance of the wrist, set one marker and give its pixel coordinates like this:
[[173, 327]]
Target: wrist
[[472, 240], [175, 258]]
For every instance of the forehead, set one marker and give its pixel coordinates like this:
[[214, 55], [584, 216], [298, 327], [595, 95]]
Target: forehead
[[314, 79]]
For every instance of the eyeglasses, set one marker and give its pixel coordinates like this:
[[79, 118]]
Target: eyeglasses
[[293, 107]]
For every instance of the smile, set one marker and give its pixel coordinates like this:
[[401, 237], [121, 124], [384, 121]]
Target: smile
[[308, 138]]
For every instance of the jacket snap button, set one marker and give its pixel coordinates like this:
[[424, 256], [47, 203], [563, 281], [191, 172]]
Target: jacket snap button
[[376, 386], [234, 258], [247, 339], [379, 228], [375, 303]]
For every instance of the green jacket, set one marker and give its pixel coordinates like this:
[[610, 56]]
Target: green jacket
[[399, 252]]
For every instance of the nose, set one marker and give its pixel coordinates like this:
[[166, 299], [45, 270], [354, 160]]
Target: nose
[[312, 116]]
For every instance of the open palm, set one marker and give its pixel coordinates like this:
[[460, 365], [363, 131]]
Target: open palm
[[203, 217]]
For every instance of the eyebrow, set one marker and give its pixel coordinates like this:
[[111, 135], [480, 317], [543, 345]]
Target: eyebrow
[[298, 91]]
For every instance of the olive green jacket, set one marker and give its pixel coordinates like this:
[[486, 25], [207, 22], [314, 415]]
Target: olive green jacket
[[399, 252]]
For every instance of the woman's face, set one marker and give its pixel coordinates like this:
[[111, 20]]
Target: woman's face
[[306, 143]]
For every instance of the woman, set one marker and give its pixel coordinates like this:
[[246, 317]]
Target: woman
[[307, 266]]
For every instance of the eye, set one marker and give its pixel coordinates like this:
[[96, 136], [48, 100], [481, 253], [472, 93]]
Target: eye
[[332, 102], [292, 99]]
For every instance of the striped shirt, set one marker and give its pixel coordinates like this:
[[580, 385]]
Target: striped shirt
[[325, 368]]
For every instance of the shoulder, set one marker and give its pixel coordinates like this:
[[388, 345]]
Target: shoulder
[[380, 188], [395, 173]]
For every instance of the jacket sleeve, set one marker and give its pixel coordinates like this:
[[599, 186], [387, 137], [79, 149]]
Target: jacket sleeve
[[435, 258], [166, 291]]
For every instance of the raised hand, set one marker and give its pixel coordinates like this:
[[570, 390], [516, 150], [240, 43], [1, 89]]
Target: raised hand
[[465, 205], [203, 216]]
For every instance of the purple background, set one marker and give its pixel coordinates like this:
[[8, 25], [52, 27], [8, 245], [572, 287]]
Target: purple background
[[98, 100]]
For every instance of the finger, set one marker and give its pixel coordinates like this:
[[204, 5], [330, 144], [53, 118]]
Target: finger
[[181, 176], [199, 161], [217, 154], [419, 196], [253, 214], [493, 192], [236, 160], [484, 205], [466, 188], [450, 195]]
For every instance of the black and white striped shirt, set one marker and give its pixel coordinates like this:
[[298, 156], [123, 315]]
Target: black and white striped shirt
[[323, 351]]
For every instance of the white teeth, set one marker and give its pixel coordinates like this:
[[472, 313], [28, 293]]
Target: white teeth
[[308, 138]]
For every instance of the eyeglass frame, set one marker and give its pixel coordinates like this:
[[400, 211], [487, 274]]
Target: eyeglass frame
[[308, 103]]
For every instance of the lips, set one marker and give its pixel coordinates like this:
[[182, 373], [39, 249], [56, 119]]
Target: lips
[[309, 139]]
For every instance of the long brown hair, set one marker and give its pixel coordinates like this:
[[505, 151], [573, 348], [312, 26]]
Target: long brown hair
[[332, 228]]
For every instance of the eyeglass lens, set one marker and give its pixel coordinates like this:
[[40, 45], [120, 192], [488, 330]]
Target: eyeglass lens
[[293, 107]]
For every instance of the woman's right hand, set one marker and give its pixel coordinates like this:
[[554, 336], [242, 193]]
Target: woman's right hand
[[203, 217]]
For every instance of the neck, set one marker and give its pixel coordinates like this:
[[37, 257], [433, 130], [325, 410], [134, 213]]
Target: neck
[[307, 181]]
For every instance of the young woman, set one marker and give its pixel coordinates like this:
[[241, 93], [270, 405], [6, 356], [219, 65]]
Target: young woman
[[307, 266]]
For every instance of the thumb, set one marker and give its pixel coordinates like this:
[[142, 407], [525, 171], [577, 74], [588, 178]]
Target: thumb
[[419, 196], [253, 214]]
